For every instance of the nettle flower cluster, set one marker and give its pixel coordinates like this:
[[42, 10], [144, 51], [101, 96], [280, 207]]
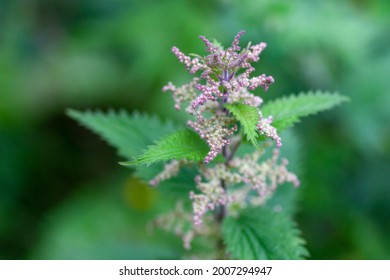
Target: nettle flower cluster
[[225, 78]]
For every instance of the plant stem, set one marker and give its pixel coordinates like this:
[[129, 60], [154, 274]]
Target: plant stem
[[220, 214], [221, 211]]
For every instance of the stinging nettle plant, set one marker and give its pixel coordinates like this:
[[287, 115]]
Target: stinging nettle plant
[[225, 166]]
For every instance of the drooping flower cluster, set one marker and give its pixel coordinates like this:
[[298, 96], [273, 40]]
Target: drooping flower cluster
[[212, 192], [265, 128], [263, 177], [170, 170], [225, 78], [179, 222], [260, 178], [215, 130]]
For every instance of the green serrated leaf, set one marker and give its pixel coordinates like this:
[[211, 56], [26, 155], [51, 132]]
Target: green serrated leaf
[[129, 134], [248, 116], [288, 110], [182, 144], [260, 233]]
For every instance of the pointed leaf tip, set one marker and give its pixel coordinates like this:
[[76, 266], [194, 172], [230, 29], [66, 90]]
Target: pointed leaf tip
[[287, 111]]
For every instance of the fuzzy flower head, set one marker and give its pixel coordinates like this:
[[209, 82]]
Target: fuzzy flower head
[[221, 69], [225, 77]]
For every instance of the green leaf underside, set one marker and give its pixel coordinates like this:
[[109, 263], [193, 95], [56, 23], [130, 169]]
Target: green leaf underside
[[248, 116], [260, 233], [288, 110], [182, 144], [129, 134]]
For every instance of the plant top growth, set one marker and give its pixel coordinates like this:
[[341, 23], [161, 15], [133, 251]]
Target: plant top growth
[[225, 167]]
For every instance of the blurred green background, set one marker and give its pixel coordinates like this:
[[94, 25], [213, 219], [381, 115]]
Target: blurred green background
[[62, 193]]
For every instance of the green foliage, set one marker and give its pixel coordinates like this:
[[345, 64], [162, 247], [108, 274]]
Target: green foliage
[[182, 144], [129, 134], [260, 233], [288, 110], [248, 116]]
